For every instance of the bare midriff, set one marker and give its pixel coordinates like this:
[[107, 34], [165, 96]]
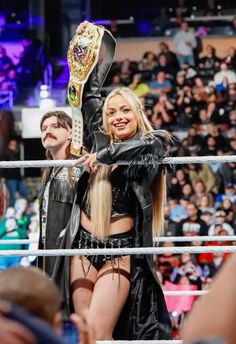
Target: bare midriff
[[120, 224]]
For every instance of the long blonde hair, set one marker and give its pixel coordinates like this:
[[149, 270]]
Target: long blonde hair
[[100, 193]]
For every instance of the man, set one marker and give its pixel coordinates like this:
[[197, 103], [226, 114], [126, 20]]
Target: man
[[224, 77], [185, 42], [192, 225], [58, 183]]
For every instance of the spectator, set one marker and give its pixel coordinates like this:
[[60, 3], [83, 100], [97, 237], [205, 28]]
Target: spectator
[[5, 61], [163, 66], [9, 231], [180, 80], [139, 85], [161, 22], [177, 212], [224, 77], [220, 220], [187, 190], [231, 96], [228, 172], [185, 42], [230, 193], [126, 72], [14, 180], [160, 85], [211, 147], [181, 10], [192, 225], [115, 82], [233, 26], [209, 63], [170, 226], [24, 286], [194, 140], [30, 65], [177, 182], [206, 204], [13, 331], [163, 110], [171, 58], [203, 172], [200, 191], [189, 272], [211, 8], [230, 58], [148, 63]]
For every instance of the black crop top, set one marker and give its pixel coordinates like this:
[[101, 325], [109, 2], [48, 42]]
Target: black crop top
[[123, 198]]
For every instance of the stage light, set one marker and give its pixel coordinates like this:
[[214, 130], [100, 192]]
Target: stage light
[[44, 91]]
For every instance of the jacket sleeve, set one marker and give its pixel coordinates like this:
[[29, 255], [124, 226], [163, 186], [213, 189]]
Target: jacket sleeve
[[151, 144], [92, 108]]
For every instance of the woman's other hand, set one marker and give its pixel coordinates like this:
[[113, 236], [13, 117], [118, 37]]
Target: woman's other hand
[[81, 27], [89, 161]]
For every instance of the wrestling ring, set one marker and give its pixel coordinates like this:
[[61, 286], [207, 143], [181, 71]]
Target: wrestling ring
[[131, 251]]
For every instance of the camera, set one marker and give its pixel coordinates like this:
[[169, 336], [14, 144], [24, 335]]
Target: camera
[[189, 270]]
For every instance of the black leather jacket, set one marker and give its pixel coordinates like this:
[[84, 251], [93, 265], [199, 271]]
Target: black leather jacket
[[143, 317]]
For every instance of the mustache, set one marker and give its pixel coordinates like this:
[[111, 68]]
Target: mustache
[[50, 136]]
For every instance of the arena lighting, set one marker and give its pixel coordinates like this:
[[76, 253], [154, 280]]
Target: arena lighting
[[47, 103], [44, 91]]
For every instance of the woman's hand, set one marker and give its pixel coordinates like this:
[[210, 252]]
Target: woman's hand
[[89, 161], [81, 27]]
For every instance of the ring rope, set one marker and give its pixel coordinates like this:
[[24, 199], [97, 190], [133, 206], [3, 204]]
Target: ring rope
[[196, 238], [140, 342], [175, 161], [119, 251], [17, 241], [185, 292], [160, 239]]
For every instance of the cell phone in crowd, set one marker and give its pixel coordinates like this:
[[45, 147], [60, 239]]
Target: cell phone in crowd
[[41, 330], [70, 334]]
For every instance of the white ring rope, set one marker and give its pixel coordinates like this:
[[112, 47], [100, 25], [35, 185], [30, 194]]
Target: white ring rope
[[185, 292], [140, 342], [160, 239], [175, 161], [119, 251], [17, 242], [196, 238]]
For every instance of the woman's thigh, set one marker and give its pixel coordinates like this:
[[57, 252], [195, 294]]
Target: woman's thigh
[[82, 280], [109, 296]]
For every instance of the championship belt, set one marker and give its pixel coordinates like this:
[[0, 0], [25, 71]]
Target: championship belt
[[82, 56]]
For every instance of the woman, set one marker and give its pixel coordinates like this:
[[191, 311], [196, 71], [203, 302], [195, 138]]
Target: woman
[[120, 206]]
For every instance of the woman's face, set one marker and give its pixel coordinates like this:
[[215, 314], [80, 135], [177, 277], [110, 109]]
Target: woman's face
[[180, 175], [122, 123], [204, 201]]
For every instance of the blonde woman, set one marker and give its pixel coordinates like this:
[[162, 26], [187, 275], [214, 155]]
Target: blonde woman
[[119, 206]]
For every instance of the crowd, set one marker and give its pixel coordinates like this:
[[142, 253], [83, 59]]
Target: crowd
[[193, 96], [21, 77]]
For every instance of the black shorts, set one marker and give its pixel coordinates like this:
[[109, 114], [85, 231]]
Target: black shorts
[[84, 239]]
